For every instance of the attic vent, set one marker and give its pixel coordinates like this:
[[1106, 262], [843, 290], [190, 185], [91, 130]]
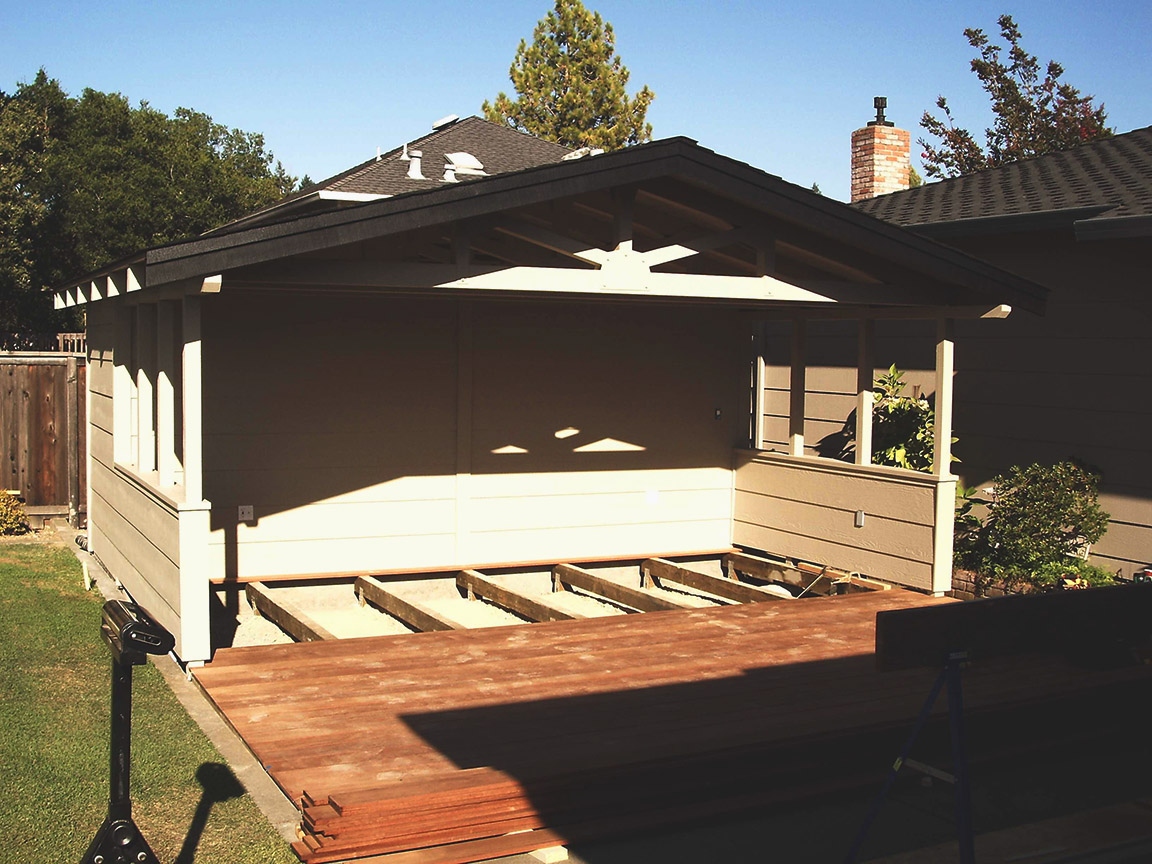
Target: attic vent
[[445, 121], [465, 163], [581, 153]]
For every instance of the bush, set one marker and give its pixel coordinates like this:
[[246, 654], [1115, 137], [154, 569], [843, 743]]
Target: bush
[[13, 520], [1040, 521]]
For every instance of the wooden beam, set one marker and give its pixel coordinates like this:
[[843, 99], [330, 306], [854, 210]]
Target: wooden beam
[[285, 614], [167, 463], [146, 387], [623, 277], [123, 387], [797, 386], [412, 613], [475, 584], [865, 369], [759, 382], [656, 570], [813, 581], [566, 575], [192, 390], [551, 240]]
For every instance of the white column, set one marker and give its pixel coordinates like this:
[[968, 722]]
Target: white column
[[945, 367], [145, 387], [760, 337], [193, 396], [166, 371], [797, 385], [123, 389], [865, 367]]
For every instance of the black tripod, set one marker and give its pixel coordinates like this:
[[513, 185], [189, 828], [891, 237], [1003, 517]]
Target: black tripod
[[131, 635]]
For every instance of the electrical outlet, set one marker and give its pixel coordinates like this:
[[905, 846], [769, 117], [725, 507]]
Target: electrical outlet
[[246, 513]]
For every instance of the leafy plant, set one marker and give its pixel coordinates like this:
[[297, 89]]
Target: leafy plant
[[1040, 521], [1070, 574], [902, 426], [13, 519]]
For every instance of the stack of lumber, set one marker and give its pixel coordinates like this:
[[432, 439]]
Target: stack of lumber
[[457, 746]]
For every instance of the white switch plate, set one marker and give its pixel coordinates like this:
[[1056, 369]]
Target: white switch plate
[[247, 513]]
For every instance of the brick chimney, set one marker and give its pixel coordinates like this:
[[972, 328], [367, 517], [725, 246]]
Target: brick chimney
[[881, 156]]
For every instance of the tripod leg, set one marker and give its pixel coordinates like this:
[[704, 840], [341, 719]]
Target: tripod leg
[[874, 810], [960, 765]]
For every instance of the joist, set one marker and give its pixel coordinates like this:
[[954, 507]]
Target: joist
[[412, 613], [656, 570], [285, 614], [475, 584], [567, 575], [813, 580]]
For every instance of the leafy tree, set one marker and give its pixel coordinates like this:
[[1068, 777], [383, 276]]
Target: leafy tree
[[1033, 114], [85, 180], [570, 85]]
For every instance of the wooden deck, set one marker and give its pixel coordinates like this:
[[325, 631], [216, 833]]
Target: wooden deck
[[440, 745]]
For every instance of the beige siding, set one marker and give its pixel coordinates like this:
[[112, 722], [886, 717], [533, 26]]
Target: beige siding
[[383, 444], [805, 508]]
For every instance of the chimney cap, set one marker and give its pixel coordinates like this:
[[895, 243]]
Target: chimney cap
[[880, 103]]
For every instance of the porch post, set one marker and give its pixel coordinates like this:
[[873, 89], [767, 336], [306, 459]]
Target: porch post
[[123, 385], [166, 463], [192, 386], [864, 372], [945, 367], [760, 335], [796, 382], [145, 387]]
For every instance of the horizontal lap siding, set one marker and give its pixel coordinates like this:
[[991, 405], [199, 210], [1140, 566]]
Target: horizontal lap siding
[[134, 534], [333, 417], [803, 511], [645, 382]]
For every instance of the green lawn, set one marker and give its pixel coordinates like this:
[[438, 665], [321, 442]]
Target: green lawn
[[54, 680]]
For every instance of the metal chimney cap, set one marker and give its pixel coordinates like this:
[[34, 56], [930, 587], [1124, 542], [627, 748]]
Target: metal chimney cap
[[880, 103]]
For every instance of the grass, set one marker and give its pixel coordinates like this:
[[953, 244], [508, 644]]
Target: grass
[[54, 677]]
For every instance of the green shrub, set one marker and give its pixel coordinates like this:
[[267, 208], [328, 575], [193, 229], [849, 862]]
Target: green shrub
[[13, 520], [1040, 519], [1070, 574]]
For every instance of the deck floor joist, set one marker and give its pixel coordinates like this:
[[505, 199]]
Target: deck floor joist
[[450, 741]]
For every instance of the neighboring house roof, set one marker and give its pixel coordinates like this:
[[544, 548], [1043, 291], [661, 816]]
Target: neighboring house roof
[[1104, 187], [498, 148]]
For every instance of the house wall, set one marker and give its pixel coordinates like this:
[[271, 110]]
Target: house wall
[[1070, 384], [391, 433], [804, 507], [132, 528]]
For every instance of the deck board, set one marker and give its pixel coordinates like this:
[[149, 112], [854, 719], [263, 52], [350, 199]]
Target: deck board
[[430, 739]]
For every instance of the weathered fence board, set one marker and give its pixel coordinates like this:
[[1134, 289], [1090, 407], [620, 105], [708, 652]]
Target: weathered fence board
[[42, 417]]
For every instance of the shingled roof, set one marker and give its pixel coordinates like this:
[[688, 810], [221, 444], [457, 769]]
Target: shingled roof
[[498, 148], [1112, 177]]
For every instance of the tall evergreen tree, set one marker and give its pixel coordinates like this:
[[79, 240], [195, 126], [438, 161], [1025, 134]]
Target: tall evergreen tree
[[571, 86], [1033, 115]]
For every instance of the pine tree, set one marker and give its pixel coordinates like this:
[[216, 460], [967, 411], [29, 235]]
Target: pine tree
[[570, 85], [1033, 116]]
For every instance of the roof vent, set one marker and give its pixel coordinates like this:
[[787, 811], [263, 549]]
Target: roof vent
[[450, 173], [581, 153], [444, 122], [414, 165], [465, 163], [404, 155]]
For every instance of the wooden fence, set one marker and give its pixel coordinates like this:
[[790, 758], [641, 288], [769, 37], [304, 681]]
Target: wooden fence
[[42, 418]]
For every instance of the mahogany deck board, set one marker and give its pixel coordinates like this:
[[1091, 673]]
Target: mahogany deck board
[[440, 742]]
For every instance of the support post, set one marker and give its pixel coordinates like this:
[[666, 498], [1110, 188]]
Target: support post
[[123, 389], [797, 385], [166, 460], [760, 349], [72, 438], [146, 387], [945, 367], [464, 337], [193, 398], [865, 366]]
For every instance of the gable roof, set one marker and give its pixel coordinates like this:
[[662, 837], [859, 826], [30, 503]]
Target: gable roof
[[498, 148], [1101, 187], [798, 218]]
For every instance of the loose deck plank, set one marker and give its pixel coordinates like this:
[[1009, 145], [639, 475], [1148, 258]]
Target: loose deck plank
[[566, 575], [285, 614], [812, 580], [655, 570], [475, 584], [411, 612]]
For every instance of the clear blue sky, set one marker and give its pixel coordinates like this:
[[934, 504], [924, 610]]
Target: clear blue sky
[[779, 85]]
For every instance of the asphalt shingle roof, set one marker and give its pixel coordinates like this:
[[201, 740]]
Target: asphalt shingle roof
[[498, 148], [1113, 173]]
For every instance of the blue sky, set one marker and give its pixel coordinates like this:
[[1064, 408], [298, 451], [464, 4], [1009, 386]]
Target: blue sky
[[779, 85]]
